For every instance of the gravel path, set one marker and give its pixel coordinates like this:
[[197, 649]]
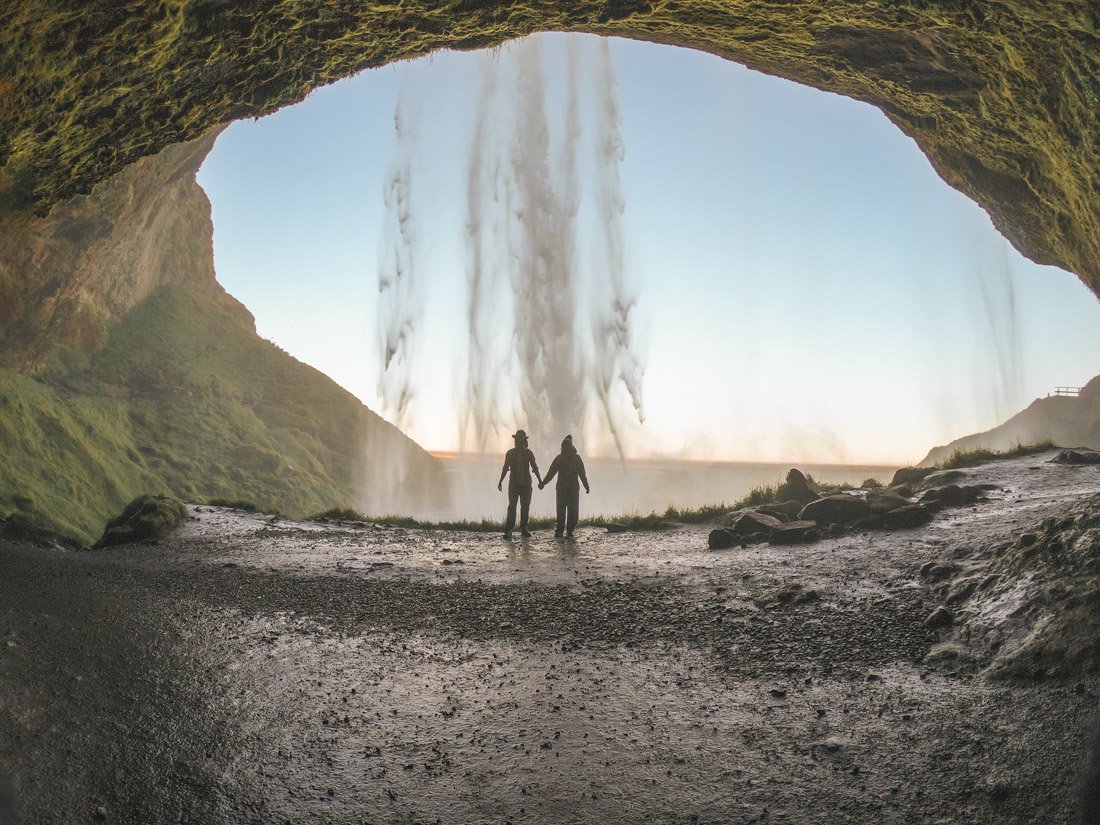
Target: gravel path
[[249, 670]]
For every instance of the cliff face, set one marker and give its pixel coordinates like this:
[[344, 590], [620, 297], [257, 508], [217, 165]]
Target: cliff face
[[125, 368], [1066, 421], [1002, 95]]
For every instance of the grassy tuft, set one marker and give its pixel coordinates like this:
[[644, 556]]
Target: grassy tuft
[[972, 458]]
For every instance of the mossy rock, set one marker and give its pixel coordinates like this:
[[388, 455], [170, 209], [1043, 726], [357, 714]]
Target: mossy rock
[[145, 519]]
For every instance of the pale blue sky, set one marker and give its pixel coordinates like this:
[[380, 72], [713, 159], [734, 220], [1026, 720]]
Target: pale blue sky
[[809, 288]]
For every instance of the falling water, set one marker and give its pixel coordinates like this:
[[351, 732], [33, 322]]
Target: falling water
[[398, 299], [544, 232]]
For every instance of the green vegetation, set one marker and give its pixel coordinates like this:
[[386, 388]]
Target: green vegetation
[[183, 399], [146, 518], [972, 458], [1001, 94]]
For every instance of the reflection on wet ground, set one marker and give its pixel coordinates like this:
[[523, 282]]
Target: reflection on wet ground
[[259, 670]]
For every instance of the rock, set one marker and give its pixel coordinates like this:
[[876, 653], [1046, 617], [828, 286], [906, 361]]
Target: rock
[[953, 495], [722, 538], [904, 518], [834, 744], [100, 813], [942, 477], [883, 501], [144, 519], [616, 528], [795, 488], [911, 475], [748, 522], [939, 618], [936, 571], [903, 490], [1077, 457], [794, 532], [838, 509]]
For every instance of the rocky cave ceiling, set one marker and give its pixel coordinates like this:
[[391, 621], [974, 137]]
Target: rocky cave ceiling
[[1002, 95]]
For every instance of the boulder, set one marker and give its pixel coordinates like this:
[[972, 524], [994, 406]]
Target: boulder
[[794, 532], [911, 475], [883, 501], [904, 518], [795, 488], [940, 617], [145, 519], [748, 522], [1077, 457], [838, 509], [722, 538], [953, 495], [943, 477]]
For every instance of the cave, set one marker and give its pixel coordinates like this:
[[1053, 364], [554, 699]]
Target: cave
[[126, 369]]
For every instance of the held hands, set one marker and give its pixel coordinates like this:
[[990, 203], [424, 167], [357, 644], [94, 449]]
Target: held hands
[[587, 490], [500, 485]]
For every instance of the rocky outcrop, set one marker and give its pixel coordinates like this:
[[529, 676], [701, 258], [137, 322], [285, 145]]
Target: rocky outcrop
[[1069, 421], [126, 369], [1000, 95]]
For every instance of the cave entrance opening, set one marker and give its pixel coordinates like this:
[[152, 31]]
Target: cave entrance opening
[[807, 288]]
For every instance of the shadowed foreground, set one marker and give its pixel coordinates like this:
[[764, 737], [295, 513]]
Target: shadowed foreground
[[255, 670]]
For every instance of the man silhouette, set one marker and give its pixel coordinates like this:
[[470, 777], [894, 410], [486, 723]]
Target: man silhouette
[[519, 461], [569, 469]]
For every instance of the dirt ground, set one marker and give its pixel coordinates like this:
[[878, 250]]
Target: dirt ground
[[255, 670]]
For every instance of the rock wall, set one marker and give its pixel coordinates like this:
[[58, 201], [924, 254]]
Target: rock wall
[[1002, 95], [125, 368]]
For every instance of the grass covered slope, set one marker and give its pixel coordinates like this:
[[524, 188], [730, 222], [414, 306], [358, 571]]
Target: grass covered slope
[[1063, 420], [185, 398], [1002, 95]]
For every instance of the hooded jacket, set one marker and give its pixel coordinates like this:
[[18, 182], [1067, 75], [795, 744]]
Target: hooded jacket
[[568, 467]]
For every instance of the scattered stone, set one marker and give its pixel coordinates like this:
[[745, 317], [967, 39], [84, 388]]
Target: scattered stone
[[911, 475], [884, 501], [795, 488], [100, 813], [778, 693], [939, 618], [903, 490], [834, 744], [936, 571], [616, 528], [722, 538], [794, 532], [837, 509]]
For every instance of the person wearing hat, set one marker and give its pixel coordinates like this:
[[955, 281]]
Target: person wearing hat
[[520, 462], [569, 469]]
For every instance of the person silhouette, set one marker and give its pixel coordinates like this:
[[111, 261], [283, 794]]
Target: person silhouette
[[569, 468], [520, 462]]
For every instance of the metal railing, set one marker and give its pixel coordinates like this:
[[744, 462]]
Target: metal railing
[[1072, 392]]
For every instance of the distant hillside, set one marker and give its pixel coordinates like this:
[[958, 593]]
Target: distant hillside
[[1067, 421], [137, 372]]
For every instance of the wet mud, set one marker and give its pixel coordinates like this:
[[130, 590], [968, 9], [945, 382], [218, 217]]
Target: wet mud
[[250, 669]]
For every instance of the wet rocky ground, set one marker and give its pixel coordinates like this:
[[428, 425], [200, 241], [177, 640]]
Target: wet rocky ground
[[256, 670]]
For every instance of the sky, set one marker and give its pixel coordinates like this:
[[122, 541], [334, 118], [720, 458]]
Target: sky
[[808, 289]]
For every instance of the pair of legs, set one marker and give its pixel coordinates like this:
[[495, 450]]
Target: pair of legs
[[568, 501], [523, 496]]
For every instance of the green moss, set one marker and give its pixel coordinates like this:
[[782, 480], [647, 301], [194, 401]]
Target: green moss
[[210, 411], [145, 519], [1001, 94]]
